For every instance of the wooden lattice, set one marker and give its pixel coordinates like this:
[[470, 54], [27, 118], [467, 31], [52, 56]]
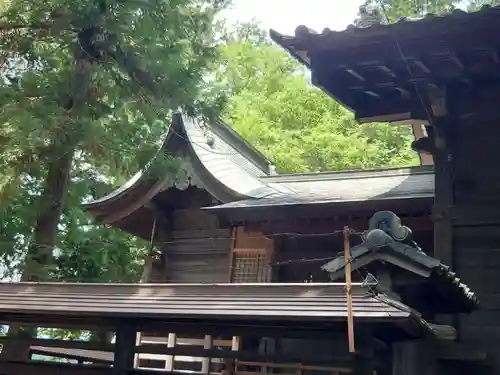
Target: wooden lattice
[[250, 267]]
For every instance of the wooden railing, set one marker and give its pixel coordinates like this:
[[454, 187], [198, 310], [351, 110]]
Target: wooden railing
[[175, 355], [184, 363]]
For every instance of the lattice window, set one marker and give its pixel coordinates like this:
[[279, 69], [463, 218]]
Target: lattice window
[[250, 267]]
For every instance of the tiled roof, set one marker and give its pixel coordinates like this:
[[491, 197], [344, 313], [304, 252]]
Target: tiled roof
[[353, 36], [414, 260], [381, 72]]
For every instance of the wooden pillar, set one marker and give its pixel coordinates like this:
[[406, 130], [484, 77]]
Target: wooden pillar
[[126, 336], [443, 201], [444, 195], [443, 183], [365, 350], [415, 357]]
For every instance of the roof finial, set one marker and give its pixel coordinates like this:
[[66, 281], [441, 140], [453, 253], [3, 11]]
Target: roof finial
[[272, 170]]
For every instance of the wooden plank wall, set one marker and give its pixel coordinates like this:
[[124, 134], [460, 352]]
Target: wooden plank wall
[[475, 232], [477, 262], [198, 250]]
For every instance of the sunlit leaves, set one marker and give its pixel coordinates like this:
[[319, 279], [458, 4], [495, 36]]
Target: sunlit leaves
[[299, 127], [154, 55]]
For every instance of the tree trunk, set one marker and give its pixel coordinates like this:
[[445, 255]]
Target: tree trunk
[[39, 256], [50, 206], [51, 202]]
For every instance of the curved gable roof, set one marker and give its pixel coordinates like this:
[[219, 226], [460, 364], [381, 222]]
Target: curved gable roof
[[214, 158], [210, 160]]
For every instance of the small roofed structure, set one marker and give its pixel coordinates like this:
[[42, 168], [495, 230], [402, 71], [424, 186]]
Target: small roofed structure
[[389, 72], [418, 279], [228, 317]]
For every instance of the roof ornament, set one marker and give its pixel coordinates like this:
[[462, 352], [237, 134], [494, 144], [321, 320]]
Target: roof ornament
[[368, 17], [272, 170], [390, 223], [385, 227], [370, 280]]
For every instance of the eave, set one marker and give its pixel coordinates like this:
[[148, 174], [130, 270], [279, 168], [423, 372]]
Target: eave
[[212, 163], [369, 190], [383, 73]]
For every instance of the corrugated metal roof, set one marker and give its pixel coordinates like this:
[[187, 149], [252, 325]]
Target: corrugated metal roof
[[241, 301]]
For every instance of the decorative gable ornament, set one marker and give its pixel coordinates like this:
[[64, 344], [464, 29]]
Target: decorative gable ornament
[[368, 17]]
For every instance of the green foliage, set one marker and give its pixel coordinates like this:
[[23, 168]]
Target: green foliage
[[93, 83], [419, 8], [299, 127], [413, 8]]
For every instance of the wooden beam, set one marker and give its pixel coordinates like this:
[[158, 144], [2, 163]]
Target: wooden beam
[[419, 132], [326, 226], [48, 368], [68, 344], [406, 50], [474, 215], [459, 352], [95, 356], [256, 329]]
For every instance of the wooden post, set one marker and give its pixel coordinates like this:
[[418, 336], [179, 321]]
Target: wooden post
[[171, 343], [207, 361], [234, 233], [347, 260], [126, 336]]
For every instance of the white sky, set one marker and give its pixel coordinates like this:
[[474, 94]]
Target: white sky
[[285, 15]]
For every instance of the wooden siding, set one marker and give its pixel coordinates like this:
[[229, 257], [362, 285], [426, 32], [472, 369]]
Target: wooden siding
[[198, 250], [476, 164], [475, 232], [198, 256], [477, 262]]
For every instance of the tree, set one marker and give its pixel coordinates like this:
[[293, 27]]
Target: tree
[[85, 84], [299, 127], [92, 71], [404, 8]]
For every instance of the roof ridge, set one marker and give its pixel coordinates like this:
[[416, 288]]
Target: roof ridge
[[346, 175]]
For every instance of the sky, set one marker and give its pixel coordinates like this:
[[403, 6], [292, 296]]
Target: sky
[[285, 15]]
